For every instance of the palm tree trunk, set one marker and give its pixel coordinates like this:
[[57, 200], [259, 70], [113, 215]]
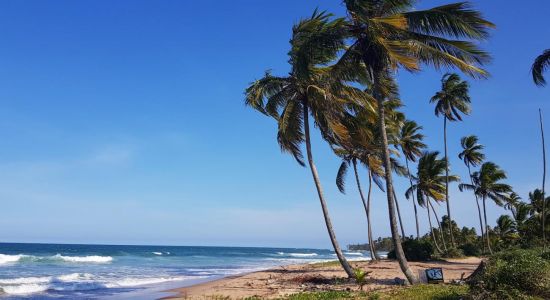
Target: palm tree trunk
[[371, 241], [403, 236], [328, 222], [486, 227], [414, 201], [447, 182], [439, 226], [478, 209], [432, 228], [403, 264], [543, 182], [364, 203]]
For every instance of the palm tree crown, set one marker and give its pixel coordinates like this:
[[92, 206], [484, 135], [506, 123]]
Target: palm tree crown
[[471, 153], [453, 99], [310, 85], [487, 183], [430, 179], [410, 140], [542, 62]]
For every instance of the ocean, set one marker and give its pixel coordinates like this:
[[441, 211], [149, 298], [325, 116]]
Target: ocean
[[62, 271]]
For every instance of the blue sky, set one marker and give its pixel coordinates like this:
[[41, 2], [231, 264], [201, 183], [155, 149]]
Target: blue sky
[[123, 122]]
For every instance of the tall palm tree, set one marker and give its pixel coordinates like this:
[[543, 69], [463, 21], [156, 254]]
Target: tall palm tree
[[410, 143], [472, 156], [487, 184], [350, 158], [387, 35], [309, 89], [430, 184], [542, 62], [452, 101]]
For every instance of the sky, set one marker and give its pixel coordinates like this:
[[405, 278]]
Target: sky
[[123, 122]]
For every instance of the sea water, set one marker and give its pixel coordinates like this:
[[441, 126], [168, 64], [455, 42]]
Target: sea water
[[62, 271]]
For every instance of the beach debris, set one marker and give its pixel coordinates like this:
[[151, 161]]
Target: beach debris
[[399, 281]]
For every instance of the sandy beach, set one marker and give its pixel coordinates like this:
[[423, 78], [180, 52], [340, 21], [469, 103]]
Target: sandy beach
[[281, 281]]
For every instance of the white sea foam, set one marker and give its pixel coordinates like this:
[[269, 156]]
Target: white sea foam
[[84, 259], [7, 259], [354, 253], [75, 277], [157, 253], [77, 282], [303, 254], [129, 282], [23, 289], [25, 280]]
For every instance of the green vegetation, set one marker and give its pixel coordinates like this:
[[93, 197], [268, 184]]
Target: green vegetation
[[514, 274], [418, 292], [416, 250]]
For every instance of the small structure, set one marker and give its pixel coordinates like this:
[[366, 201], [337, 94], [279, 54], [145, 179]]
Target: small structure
[[434, 275]]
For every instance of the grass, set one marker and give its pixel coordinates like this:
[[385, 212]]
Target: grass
[[332, 263], [426, 291], [418, 292]]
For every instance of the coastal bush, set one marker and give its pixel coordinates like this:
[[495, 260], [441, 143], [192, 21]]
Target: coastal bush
[[470, 249], [514, 274], [415, 250], [453, 253]]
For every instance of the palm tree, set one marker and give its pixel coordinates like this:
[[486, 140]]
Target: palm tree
[[538, 210], [350, 157], [512, 202], [387, 35], [430, 184], [486, 184], [506, 229], [521, 213], [410, 142], [472, 157], [310, 88], [452, 101], [542, 62]]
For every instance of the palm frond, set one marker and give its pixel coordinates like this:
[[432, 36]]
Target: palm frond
[[542, 62], [341, 176]]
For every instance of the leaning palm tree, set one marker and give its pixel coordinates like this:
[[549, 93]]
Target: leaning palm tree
[[430, 184], [487, 184], [452, 101], [542, 62], [350, 157], [309, 89], [387, 35], [410, 142], [472, 156]]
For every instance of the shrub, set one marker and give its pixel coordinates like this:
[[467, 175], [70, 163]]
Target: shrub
[[470, 249], [514, 274], [415, 250], [453, 253]]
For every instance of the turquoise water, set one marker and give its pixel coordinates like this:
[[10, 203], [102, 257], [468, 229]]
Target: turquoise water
[[55, 271]]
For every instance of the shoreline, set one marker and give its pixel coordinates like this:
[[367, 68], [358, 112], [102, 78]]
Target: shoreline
[[284, 280]]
